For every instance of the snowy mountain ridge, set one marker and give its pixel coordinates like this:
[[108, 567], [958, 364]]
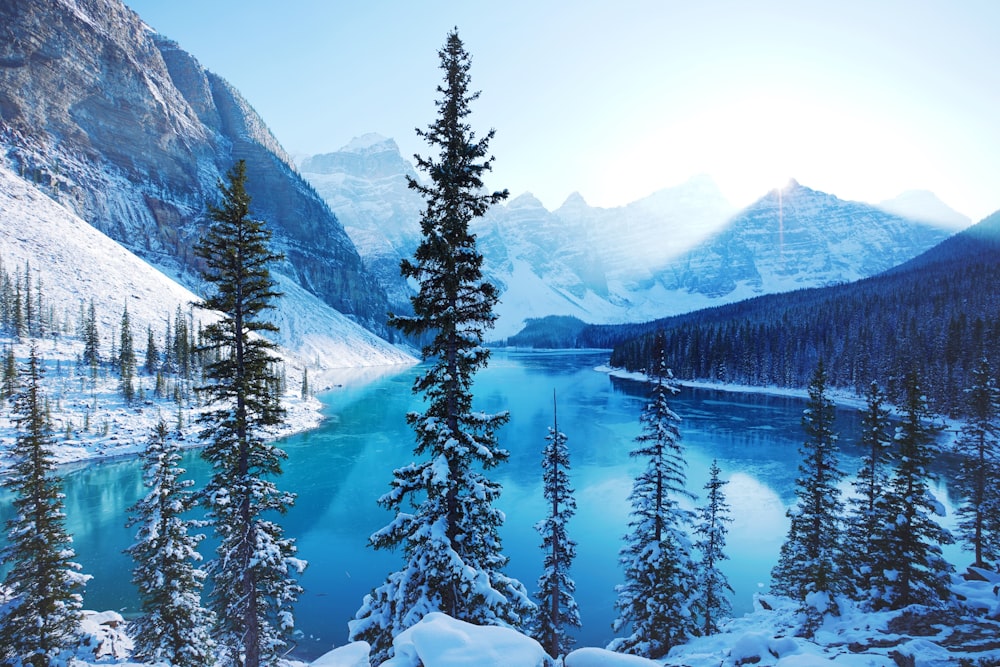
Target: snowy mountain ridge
[[678, 250]]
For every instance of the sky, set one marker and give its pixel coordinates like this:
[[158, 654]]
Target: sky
[[864, 99]]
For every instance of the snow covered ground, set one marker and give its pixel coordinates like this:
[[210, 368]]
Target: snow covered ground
[[77, 264]]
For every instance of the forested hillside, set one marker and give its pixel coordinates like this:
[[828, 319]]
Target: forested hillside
[[940, 313]]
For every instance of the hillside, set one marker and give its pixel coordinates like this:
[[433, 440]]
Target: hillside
[[937, 314], [132, 134], [74, 265]]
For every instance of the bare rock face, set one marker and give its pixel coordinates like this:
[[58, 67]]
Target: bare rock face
[[133, 134]]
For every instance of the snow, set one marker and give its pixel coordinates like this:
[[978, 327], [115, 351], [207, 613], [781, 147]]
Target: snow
[[77, 263]]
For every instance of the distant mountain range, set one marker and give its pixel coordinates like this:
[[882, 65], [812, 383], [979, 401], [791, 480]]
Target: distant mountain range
[[678, 250], [131, 133]]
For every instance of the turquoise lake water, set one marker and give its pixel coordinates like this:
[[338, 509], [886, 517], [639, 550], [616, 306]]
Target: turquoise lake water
[[340, 469]]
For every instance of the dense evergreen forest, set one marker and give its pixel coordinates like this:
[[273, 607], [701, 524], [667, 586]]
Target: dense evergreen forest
[[937, 314]]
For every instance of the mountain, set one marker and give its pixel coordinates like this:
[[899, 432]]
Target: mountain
[[936, 313], [680, 249], [76, 264], [925, 206], [797, 237], [130, 132], [365, 182], [577, 260]]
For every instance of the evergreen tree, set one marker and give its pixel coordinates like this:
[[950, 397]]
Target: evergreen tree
[[809, 563], [712, 588], [450, 541], [182, 345], [29, 303], [174, 627], [43, 614], [917, 573], [91, 339], [253, 575], [979, 445], [654, 603], [867, 516], [152, 354], [9, 372], [126, 358], [557, 609]]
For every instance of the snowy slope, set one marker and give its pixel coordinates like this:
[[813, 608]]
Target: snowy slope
[[77, 263]]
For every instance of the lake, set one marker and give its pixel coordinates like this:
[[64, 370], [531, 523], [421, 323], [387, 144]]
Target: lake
[[340, 469]]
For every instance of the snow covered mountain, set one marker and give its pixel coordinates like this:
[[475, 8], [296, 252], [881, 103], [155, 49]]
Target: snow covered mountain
[[925, 206], [132, 134], [576, 260], [678, 250], [796, 237], [76, 263], [365, 184]]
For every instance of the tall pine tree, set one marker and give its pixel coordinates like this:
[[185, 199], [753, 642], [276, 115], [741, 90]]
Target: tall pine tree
[[867, 515], [979, 445], [450, 541], [917, 572], [174, 627], [126, 358], [557, 609], [811, 554], [253, 575], [712, 589], [655, 602], [43, 615]]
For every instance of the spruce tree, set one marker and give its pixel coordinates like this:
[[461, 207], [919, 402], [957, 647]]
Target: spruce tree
[[450, 541], [916, 572], [711, 602], [43, 614], [174, 627], [91, 340], [253, 575], [979, 445], [152, 362], [655, 602], [867, 515], [557, 609], [811, 557], [126, 358]]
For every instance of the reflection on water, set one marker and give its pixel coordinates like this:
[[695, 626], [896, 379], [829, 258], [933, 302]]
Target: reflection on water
[[340, 469]]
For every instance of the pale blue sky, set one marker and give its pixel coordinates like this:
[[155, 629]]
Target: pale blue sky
[[863, 99]]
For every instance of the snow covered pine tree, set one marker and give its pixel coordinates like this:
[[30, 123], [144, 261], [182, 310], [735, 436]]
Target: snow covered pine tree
[[253, 575], [810, 556], [712, 589], [655, 602], [42, 616], [174, 627], [451, 544], [557, 609]]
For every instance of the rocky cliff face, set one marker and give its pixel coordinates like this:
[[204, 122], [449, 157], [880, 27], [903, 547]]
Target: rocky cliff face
[[365, 183], [133, 134]]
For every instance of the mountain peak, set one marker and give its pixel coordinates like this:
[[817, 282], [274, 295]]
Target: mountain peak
[[925, 206], [574, 201], [371, 142]]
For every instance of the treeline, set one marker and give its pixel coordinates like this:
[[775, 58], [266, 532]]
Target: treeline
[[937, 315], [173, 358]]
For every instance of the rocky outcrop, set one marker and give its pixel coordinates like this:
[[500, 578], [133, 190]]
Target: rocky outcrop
[[133, 134]]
